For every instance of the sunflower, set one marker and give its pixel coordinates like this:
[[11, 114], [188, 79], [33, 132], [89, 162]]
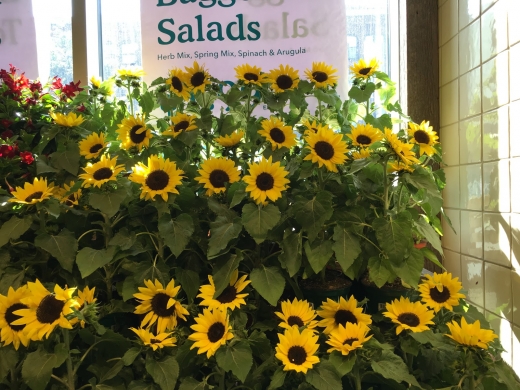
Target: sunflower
[[363, 70], [101, 172], [85, 297], [361, 153], [159, 305], [470, 334], [32, 193], [284, 78], [230, 140], [322, 75], [96, 83], [92, 146], [441, 290], [403, 150], [181, 122], [70, 200], [365, 135], [398, 166], [197, 77], [13, 334], [158, 341], [133, 132], [296, 350], [250, 74], [44, 310], [215, 173], [229, 298], [130, 74], [327, 148], [70, 120], [177, 81], [339, 313], [348, 338], [266, 180], [277, 133], [160, 177], [299, 313], [424, 136], [409, 315], [211, 331]]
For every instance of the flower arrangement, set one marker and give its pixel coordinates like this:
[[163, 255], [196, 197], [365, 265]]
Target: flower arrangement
[[164, 241]]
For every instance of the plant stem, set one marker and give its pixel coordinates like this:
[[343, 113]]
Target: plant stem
[[14, 382], [70, 371], [89, 231], [59, 380], [130, 98], [357, 379], [222, 382], [385, 194], [319, 109]]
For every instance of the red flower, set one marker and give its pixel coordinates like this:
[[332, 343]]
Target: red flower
[[81, 108], [5, 123], [8, 151], [36, 86], [6, 134], [56, 83], [27, 157], [70, 89]]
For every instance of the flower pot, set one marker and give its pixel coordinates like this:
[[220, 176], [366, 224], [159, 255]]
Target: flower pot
[[335, 285], [378, 297]]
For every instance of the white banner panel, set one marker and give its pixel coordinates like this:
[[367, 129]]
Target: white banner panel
[[225, 33]]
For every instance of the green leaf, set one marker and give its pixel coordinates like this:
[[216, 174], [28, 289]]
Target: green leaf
[[237, 358], [381, 122], [123, 239], [189, 281], [176, 233], [42, 167], [223, 270], [129, 288], [63, 247], [14, 228], [410, 268], [318, 254], [192, 384], [164, 372], [141, 385], [37, 369], [312, 214], [391, 366], [379, 273], [506, 374], [67, 160], [421, 178], [8, 360], [277, 380], [429, 233], [291, 256], [61, 352], [258, 220], [222, 231], [269, 282], [112, 371], [147, 102], [12, 277], [324, 377], [362, 95], [109, 202], [346, 246], [394, 235], [130, 355], [89, 260], [342, 364]]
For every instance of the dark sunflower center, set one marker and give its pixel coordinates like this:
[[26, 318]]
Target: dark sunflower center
[[157, 180], [251, 76], [176, 83], [71, 200], [440, 297], [49, 309], [35, 195], [324, 150], [284, 82], [350, 341], [103, 173], [228, 295], [297, 355], [183, 125], [216, 331], [295, 320], [95, 148], [363, 139], [198, 79], [155, 341], [422, 137], [137, 138], [10, 317], [265, 181], [365, 71], [409, 319], [343, 316], [218, 179], [320, 77], [159, 303], [277, 135]]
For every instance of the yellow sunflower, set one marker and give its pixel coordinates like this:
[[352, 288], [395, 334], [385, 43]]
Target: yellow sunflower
[[160, 177], [92, 146], [132, 131], [32, 193], [158, 341], [177, 80], [409, 315], [231, 297], [365, 135], [470, 334], [230, 140], [348, 338], [197, 77], [339, 313], [215, 173], [361, 153], [327, 148], [159, 305], [279, 135], [101, 172], [398, 166], [181, 122], [85, 297], [266, 180], [96, 83], [363, 70], [250, 74], [299, 313], [424, 136], [44, 310], [321, 75], [130, 74], [71, 199], [441, 290], [70, 120], [13, 334], [284, 78], [211, 331], [403, 150], [296, 350]]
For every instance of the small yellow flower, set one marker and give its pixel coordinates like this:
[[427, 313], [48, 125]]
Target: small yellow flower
[[130, 74], [32, 193], [413, 316], [230, 140], [70, 120], [470, 334], [363, 70], [158, 341]]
